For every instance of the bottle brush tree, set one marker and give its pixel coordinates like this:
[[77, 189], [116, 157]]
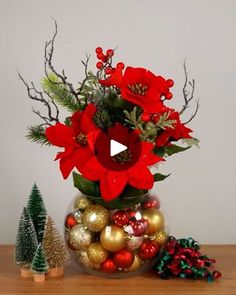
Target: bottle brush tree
[[37, 211], [26, 241], [39, 264]]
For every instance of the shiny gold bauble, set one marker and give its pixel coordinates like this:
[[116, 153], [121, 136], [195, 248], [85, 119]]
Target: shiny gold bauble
[[83, 259], [79, 237], [82, 203], [113, 238], [155, 220], [78, 216], [136, 264], [96, 217], [96, 253], [160, 237]]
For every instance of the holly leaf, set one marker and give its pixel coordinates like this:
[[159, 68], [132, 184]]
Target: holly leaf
[[174, 149], [160, 177], [191, 142], [87, 187]]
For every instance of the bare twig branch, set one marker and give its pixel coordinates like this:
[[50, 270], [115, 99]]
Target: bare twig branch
[[188, 94], [48, 55], [85, 63], [34, 94]]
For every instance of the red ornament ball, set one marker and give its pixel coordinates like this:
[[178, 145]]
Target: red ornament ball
[[151, 204], [139, 227], [216, 274], [131, 213], [145, 117], [99, 65], [148, 250], [123, 258], [110, 52], [70, 221], [120, 65], [170, 82], [120, 218], [168, 95], [108, 266]]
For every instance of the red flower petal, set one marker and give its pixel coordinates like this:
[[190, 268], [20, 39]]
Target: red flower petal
[[147, 155], [140, 177], [60, 135]]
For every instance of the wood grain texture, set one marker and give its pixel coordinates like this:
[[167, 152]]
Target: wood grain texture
[[74, 282]]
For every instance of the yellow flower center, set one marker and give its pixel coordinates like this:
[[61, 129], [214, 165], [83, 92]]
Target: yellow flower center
[[138, 88], [82, 138], [123, 157]]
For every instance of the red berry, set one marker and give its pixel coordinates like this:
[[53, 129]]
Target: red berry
[[105, 58], [109, 71], [155, 118], [110, 52], [170, 82], [99, 65], [98, 50], [120, 65], [100, 56], [168, 95], [145, 117]]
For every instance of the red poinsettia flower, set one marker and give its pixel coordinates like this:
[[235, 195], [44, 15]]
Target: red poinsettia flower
[[178, 131], [73, 139], [128, 167], [143, 88]]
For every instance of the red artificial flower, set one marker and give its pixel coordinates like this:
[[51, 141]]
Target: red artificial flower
[[73, 139], [143, 88], [115, 79], [115, 174], [178, 131]]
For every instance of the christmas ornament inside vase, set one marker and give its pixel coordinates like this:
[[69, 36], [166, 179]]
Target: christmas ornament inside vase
[[116, 239]]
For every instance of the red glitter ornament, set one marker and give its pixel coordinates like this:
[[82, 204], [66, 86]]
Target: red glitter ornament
[[120, 218], [108, 266], [123, 258], [131, 213], [70, 221], [148, 250]]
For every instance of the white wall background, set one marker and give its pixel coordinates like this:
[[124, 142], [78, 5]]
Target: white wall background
[[199, 199]]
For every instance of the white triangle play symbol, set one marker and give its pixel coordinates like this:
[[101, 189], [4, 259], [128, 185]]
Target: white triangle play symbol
[[116, 148]]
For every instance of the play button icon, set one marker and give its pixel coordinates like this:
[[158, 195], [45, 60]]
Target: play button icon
[[116, 148]]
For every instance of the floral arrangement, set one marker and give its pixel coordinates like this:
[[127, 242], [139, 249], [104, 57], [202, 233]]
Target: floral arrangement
[[119, 126], [117, 102]]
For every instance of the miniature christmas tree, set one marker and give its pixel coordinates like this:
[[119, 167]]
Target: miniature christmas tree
[[54, 248], [26, 243], [37, 211], [39, 265]]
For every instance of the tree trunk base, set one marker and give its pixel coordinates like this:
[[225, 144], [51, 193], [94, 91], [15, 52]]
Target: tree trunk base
[[25, 272], [39, 277], [56, 272]]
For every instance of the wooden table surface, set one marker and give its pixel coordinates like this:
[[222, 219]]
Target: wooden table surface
[[77, 283]]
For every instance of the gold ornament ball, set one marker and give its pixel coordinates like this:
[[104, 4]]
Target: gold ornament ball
[[96, 217], [78, 216], [136, 264], [155, 220], [83, 259], [113, 238], [79, 237], [82, 203], [161, 237], [96, 253]]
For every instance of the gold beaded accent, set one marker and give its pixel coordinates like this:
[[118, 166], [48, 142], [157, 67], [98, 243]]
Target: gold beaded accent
[[138, 88], [82, 139], [123, 157]]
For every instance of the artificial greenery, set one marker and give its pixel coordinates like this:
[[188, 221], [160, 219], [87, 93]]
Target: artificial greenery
[[36, 133], [26, 241]]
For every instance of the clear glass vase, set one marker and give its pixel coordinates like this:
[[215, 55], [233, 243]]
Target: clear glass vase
[[117, 239]]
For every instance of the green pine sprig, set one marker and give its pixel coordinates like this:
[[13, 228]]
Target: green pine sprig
[[36, 134]]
